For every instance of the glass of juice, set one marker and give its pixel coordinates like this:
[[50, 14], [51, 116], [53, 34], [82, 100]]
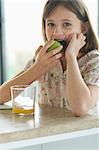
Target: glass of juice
[[23, 99]]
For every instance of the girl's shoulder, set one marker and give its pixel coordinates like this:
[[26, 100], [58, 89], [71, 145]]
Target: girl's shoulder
[[89, 67], [91, 57]]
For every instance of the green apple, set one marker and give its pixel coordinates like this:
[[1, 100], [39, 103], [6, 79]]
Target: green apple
[[53, 46]]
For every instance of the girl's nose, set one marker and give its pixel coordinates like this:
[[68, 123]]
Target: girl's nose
[[58, 33]]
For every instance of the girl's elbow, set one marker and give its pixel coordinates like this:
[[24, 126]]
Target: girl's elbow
[[79, 111]]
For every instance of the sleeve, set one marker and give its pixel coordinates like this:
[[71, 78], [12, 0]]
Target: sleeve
[[29, 64], [90, 71]]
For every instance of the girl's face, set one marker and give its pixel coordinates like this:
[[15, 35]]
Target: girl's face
[[61, 24]]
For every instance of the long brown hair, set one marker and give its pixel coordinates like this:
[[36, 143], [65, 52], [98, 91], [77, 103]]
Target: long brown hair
[[77, 7]]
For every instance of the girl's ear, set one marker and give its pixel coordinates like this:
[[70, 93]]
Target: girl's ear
[[85, 27]]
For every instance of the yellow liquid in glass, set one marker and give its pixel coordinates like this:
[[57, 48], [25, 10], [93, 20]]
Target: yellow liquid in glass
[[23, 111]]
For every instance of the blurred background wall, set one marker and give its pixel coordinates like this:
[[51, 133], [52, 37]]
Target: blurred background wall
[[21, 32]]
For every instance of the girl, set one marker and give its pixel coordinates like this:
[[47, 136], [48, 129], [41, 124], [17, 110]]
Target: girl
[[68, 79]]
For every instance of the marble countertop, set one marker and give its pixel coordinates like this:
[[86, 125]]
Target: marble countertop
[[47, 121]]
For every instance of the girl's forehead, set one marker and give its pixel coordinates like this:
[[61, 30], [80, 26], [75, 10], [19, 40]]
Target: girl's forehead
[[61, 13]]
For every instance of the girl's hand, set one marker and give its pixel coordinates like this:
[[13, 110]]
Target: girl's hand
[[46, 60], [76, 43]]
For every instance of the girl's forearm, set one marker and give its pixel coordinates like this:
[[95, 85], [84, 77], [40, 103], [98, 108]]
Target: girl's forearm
[[76, 90], [26, 77]]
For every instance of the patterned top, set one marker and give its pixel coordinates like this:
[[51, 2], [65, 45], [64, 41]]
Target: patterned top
[[52, 89]]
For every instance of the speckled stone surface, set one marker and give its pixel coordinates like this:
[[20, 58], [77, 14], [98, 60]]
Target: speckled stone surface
[[47, 121]]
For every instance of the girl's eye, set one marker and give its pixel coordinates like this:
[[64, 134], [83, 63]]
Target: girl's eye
[[50, 24], [67, 24]]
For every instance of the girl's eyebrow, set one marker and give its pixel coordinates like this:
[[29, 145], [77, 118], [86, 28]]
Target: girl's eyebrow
[[49, 20], [61, 20], [66, 19]]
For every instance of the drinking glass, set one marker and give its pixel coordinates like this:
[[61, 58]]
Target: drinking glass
[[23, 99]]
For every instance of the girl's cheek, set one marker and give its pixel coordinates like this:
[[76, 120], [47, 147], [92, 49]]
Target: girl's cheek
[[49, 35]]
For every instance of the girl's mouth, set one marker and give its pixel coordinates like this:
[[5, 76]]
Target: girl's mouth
[[64, 43]]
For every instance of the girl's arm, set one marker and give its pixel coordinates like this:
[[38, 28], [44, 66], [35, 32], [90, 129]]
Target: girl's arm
[[80, 96], [43, 62], [23, 78]]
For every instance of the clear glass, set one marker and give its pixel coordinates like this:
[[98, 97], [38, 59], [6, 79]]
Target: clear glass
[[23, 99]]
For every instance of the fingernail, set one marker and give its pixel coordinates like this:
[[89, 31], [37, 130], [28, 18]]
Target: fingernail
[[84, 37], [61, 46], [52, 41], [81, 35]]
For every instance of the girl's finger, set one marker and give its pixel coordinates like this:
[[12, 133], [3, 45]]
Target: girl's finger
[[55, 57], [37, 51], [84, 37], [53, 63], [80, 36]]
